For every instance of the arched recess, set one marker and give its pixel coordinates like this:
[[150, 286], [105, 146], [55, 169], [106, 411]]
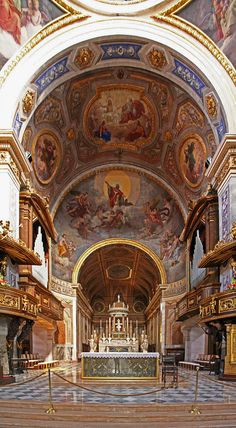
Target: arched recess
[[119, 241], [24, 66]]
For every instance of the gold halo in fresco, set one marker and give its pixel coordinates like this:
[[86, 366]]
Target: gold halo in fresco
[[120, 116], [46, 156], [192, 157]]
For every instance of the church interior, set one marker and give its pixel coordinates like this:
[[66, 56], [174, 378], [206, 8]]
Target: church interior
[[118, 212]]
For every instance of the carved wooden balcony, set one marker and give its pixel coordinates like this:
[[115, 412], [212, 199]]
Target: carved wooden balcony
[[18, 251], [18, 302], [189, 305], [219, 306]]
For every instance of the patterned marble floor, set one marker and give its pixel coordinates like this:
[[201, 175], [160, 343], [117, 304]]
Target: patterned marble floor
[[31, 387]]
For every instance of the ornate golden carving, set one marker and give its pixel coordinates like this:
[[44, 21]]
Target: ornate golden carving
[[3, 266], [5, 158], [226, 305], [28, 306], [211, 105], [5, 228], [213, 305], [233, 231], [157, 58], [28, 101], [84, 58], [9, 301]]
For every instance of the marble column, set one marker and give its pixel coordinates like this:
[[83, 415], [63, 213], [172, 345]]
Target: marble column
[[75, 325]]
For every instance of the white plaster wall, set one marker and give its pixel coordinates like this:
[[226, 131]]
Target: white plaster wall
[[9, 208]]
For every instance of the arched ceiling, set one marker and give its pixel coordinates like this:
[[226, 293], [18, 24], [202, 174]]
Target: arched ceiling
[[127, 115], [119, 269], [85, 121]]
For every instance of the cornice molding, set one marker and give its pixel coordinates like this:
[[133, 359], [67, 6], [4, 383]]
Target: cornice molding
[[12, 154], [18, 251], [224, 162], [41, 208]]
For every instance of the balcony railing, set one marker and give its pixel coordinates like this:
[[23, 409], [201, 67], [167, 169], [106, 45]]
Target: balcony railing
[[189, 305], [18, 302]]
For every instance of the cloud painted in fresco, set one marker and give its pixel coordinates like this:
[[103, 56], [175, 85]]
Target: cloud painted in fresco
[[118, 204]]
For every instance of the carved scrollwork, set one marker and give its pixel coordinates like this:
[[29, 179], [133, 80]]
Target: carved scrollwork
[[9, 301], [211, 105], [28, 102], [5, 158], [84, 58], [227, 305], [157, 58]]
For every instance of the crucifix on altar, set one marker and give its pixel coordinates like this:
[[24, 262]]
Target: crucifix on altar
[[118, 325]]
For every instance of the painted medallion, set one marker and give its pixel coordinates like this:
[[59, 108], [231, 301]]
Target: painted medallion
[[46, 156], [192, 159]]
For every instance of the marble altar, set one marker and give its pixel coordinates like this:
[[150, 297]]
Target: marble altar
[[119, 365]]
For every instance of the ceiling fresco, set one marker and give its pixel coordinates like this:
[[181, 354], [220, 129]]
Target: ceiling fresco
[[119, 151], [118, 204], [119, 115]]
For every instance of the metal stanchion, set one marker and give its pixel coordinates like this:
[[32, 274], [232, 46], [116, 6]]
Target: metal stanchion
[[194, 410], [51, 409]]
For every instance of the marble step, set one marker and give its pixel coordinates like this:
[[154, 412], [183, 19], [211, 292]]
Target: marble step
[[33, 415]]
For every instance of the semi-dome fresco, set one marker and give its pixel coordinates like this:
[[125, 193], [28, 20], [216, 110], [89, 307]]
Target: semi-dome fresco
[[115, 204]]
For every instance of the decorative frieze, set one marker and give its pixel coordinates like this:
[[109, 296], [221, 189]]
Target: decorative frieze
[[17, 302], [224, 162], [221, 305], [62, 287]]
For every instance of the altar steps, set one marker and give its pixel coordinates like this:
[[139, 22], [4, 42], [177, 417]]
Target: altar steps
[[32, 415]]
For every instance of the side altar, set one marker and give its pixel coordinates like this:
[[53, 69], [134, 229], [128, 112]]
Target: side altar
[[119, 365]]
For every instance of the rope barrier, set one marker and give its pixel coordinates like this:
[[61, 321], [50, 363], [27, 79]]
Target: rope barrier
[[24, 381], [108, 393]]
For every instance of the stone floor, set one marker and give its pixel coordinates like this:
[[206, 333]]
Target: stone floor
[[29, 386]]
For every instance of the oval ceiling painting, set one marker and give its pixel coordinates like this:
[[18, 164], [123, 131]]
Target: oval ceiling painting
[[46, 156], [192, 159], [120, 116]]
